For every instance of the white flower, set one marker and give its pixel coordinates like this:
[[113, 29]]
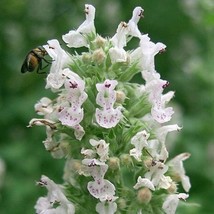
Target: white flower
[[155, 88], [156, 173], [88, 25], [171, 202], [158, 150], [108, 116], [162, 132], [106, 207], [55, 201], [177, 165], [70, 110], [96, 168], [100, 188], [132, 24], [102, 148], [117, 53], [146, 52], [119, 39], [75, 90], [144, 182], [77, 38], [139, 141], [44, 106], [60, 59]]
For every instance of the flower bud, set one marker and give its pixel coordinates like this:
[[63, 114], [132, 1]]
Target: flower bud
[[121, 203], [148, 162], [99, 42], [77, 165], [173, 188], [120, 97], [126, 159], [114, 163], [86, 57], [98, 56], [144, 196]]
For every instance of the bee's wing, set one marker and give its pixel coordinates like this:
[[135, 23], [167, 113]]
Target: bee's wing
[[24, 67]]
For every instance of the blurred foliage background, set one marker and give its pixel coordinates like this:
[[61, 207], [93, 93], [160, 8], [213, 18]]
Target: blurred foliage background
[[185, 26]]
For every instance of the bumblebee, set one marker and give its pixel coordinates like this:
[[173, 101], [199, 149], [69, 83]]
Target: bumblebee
[[34, 60]]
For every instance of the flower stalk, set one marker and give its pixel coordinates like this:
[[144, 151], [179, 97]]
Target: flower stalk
[[110, 131]]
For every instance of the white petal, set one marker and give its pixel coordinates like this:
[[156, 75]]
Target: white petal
[[106, 207], [118, 55], [144, 182], [108, 118], [101, 189], [162, 115], [74, 39], [170, 204], [70, 116]]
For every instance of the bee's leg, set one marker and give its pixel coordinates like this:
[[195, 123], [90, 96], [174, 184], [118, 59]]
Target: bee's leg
[[40, 68], [48, 61]]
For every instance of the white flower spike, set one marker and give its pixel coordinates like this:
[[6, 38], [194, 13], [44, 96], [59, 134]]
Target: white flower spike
[[108, 127]]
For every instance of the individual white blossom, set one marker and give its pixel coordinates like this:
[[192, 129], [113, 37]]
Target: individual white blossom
[[100, 188], [177, 165], [158, 150], [159, 112], [156, 173], [140, 142], [108, 116], [60, 59], [55, 201], [171, 202], [132, 24], [119, 40], [162, 132], [71, 114], [77, 38], [146, 53]]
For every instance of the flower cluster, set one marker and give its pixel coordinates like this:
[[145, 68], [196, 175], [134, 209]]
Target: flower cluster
[[111, 131]]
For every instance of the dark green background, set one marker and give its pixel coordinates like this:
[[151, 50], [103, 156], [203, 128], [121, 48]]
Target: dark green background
[[188, 65]]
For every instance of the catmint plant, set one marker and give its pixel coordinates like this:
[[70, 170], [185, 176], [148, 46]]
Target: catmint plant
[[110, 130]]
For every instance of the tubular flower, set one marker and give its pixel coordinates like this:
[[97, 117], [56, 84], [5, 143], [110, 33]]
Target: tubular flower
[[55, 201], [78, 38], [110, 129], [108, 116]]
